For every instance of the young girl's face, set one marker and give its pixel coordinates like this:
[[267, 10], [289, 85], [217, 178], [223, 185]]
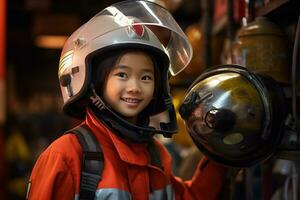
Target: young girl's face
[[129, 86]]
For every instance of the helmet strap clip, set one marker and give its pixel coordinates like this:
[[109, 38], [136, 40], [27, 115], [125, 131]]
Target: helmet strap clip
[[96, 100]]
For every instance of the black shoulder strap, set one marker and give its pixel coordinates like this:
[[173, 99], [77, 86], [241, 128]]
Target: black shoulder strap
[[92, 162]]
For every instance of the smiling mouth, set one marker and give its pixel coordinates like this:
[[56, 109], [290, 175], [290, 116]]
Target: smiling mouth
[[131, 101]]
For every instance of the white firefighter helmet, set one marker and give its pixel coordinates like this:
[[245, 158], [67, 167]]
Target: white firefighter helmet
[[128, 24]]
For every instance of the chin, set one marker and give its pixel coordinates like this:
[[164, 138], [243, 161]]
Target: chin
[[128, 116]]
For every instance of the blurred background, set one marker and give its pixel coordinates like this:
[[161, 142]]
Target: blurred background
[[32, 33]]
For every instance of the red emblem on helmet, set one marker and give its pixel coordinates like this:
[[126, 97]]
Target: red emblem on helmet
[[138, 29]]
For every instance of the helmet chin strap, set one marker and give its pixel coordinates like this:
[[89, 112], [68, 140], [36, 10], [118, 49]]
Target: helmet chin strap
[[120, 126]]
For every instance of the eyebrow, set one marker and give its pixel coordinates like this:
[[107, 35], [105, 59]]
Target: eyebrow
[[127, 67], [120, 67]]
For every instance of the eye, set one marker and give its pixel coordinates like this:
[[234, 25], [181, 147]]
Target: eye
[[147, 77], [121, 75]]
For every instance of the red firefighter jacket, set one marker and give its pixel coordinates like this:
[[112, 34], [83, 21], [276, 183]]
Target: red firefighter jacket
[[127, 174]]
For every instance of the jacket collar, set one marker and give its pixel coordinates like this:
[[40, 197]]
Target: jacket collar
[[129, 152]]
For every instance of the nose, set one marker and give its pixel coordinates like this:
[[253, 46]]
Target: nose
[[133, 86]]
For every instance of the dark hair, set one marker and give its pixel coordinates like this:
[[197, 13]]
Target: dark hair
[[102, 65]]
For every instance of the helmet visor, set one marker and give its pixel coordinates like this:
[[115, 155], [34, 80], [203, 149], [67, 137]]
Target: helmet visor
[[158, 20]]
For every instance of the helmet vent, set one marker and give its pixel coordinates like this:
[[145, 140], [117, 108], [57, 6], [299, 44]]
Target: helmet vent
[[75, 70]]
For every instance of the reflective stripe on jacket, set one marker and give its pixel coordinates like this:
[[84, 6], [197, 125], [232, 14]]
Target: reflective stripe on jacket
[[128, 172]]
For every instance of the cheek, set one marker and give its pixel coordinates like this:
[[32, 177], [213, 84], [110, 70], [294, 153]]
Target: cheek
[[107, 95], [150, 91], [109, 90]]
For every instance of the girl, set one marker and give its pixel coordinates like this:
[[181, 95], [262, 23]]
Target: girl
[[114, 74]]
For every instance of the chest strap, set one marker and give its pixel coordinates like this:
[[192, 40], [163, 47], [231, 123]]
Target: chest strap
[[92, 162]]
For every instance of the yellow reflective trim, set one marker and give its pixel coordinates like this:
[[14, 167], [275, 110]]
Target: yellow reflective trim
[[65, 61]]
